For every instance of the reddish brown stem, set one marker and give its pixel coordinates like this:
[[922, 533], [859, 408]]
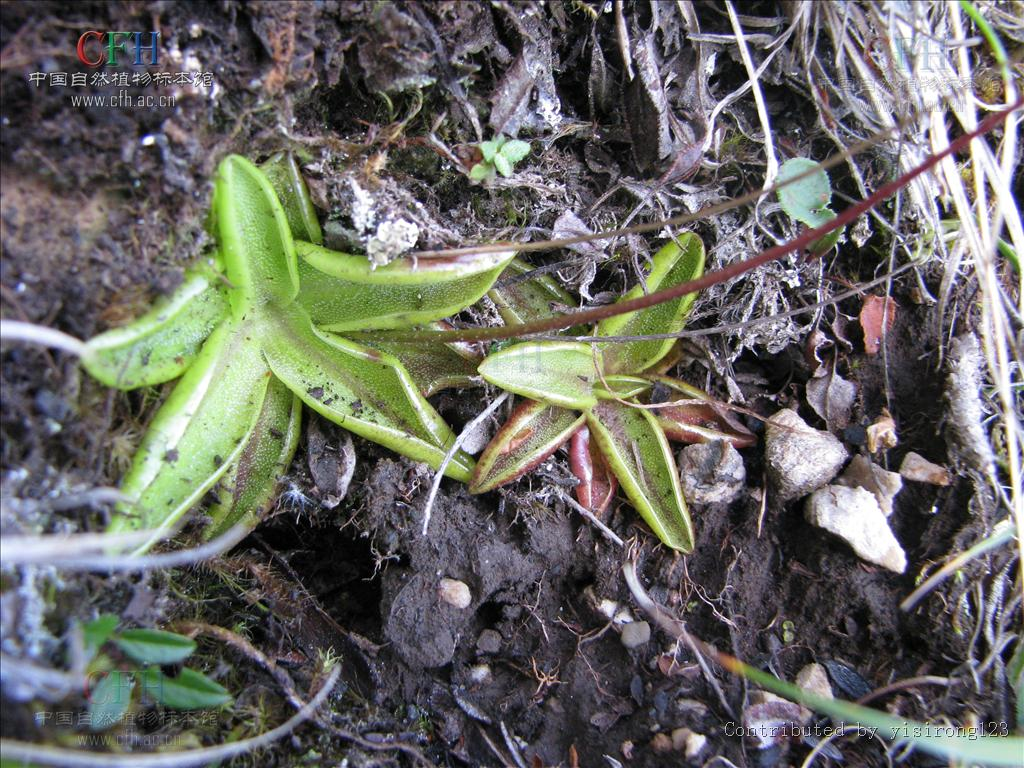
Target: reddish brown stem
[[711, 278]]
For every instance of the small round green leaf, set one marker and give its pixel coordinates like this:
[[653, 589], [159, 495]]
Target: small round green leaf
[[805, 199], [490, 148], [188, 690], [109, 700], [515, 150], [503, 165], [96, 632], [154, 646]]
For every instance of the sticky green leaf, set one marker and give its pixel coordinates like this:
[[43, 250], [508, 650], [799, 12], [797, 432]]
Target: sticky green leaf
[[515, 150], [342, 292], [640, 457], [154, 646], [198, 432], [229, 418], [254, 237], [247, 489], [554, 372], [284, 175], [435, 366], [109, 699], [697, 422], [161, 344], [490, 148], [673, 264], [96, 632], [502, 165], [540, 296], [481, 171], [621, 387], [532, 433], [366, 391], [188, 690]]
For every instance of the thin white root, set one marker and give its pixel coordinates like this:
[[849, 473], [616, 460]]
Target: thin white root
[[436, 486], [676, 628], [15, 330], [61, 551], [73, 758], [608, 532]]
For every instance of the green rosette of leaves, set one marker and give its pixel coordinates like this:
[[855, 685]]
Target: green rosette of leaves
[[254, 336], [596, 398]]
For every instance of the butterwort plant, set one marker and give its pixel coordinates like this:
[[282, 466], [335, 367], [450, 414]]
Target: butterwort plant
[[258, 332], [608, 400]]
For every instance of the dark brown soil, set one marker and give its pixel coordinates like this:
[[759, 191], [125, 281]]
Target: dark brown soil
[[101, 209]]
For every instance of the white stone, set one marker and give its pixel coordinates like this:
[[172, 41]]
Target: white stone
[[455, 593], [800, 459], [813, 679], [881, 483], [635, 634], [480, 673], [689, 742], [608, 608], [854, 515]]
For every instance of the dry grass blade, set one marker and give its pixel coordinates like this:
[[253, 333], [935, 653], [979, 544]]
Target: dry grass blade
[[772, 169]]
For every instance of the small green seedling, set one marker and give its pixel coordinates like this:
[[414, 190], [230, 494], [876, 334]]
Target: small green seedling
[[252, 336], [501, 155], [129, 671], [576, 391], [807, 200]]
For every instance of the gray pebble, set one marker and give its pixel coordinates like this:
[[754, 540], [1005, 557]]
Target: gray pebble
[[489, 641], [711, 472]]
